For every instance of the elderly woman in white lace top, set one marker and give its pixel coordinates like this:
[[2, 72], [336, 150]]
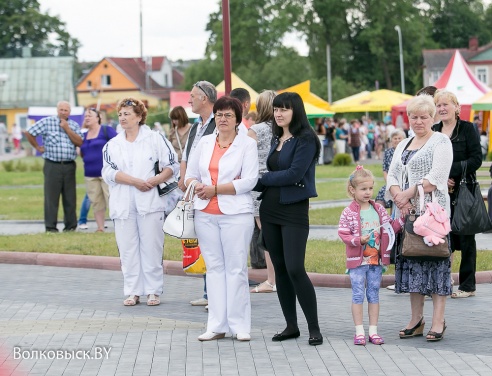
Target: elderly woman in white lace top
[[426, 157]]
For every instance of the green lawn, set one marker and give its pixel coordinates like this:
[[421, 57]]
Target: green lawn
[[326, 257], [23, 202], [343, 172], [20, 203]]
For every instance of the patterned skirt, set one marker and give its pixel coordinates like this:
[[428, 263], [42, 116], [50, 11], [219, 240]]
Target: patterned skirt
[[423, 277]]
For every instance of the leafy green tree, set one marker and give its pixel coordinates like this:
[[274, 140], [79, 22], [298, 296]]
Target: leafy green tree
[[284, 69], [455, 21], [257, 29], [23, 25], [487, 23], [363, 40], [203, 70]]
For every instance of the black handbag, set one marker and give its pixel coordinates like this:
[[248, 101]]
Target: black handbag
[[470, 216], [164, 188]]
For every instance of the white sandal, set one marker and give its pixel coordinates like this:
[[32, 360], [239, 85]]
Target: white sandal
[[265, 287], [131, 300], [153, 300]]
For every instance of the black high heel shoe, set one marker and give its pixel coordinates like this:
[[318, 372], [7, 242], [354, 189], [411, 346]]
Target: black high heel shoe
[[416, 331], [437, 336]]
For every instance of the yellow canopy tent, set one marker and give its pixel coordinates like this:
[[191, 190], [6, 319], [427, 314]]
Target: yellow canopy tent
[[313, 111], [484, 104], [315, 106], [236, 82], [375, 101], [350, 98], [304, 90]]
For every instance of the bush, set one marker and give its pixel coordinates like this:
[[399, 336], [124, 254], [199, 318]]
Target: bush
[[8, 166], [21, 166], [342, 159], [18, 165], [37, 166]]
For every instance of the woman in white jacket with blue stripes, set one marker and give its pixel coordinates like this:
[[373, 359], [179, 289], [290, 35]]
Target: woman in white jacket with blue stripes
[[134, 203]]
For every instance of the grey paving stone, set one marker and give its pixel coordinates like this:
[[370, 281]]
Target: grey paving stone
[[162, 340]]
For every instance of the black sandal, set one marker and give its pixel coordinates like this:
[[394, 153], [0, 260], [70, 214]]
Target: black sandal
[[437, 336], [416, 331]]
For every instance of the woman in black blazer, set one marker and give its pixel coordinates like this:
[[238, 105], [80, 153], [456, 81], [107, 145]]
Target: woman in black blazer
[[466, 147], [287, 187]]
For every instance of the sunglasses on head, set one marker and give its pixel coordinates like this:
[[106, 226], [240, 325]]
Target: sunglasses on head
[[201, 88], [129, 103]]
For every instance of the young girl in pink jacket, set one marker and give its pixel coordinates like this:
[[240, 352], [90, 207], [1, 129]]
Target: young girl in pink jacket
[[368, 233]]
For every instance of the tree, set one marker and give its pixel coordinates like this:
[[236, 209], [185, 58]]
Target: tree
[[455, 21], [363, 41], [203, 70], [257, 30], [23, 25]]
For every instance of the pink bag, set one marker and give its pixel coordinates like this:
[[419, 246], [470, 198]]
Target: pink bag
[[433, 225]]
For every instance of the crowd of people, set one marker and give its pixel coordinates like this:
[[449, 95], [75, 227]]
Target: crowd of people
[[253, 174], [364, 138]]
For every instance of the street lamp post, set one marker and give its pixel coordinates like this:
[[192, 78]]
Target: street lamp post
[[402, 70], [4, 77]]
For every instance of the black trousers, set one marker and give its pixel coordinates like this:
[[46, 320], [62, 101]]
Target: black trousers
[[468, 247], [489, 201], [468, 265], [59, 179], [287, 247]]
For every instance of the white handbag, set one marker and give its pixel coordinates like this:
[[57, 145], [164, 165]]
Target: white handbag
[[180, 223]]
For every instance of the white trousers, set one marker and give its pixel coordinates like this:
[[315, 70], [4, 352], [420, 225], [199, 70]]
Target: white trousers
[[340, 146], [140, 241], [224, 242]]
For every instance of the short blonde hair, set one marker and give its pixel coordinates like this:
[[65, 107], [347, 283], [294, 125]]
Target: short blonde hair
[[446, 94], [421, 103], [359, 175]]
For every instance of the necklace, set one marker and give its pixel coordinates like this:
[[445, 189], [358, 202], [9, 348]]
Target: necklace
[[219, 145], [285, 139], [457, 127]]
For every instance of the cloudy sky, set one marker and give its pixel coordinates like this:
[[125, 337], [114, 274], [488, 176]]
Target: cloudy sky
[[174, 28]]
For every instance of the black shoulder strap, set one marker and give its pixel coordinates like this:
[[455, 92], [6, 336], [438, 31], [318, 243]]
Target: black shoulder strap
[[407, 145]]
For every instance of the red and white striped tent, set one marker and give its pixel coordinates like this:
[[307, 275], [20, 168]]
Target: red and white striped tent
[[460, 80]]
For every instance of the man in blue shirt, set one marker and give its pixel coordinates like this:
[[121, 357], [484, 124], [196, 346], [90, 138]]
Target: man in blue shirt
[[60, 138]]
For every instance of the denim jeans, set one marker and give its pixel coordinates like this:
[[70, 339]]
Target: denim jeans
[[84, 210]]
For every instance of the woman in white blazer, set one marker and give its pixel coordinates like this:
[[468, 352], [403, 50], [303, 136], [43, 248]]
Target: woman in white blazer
[[134, 202], [226, 168]]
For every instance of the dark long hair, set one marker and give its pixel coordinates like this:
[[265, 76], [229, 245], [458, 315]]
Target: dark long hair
[[299, 126]]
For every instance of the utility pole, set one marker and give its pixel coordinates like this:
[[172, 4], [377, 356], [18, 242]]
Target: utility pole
[[141, 33], [226, 41], [328, 71]]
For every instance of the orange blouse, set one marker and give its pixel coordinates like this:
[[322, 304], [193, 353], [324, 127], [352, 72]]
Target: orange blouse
[[213, 168]]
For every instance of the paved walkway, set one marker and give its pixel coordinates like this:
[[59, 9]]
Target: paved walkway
[[71, 313], [47, 309]]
